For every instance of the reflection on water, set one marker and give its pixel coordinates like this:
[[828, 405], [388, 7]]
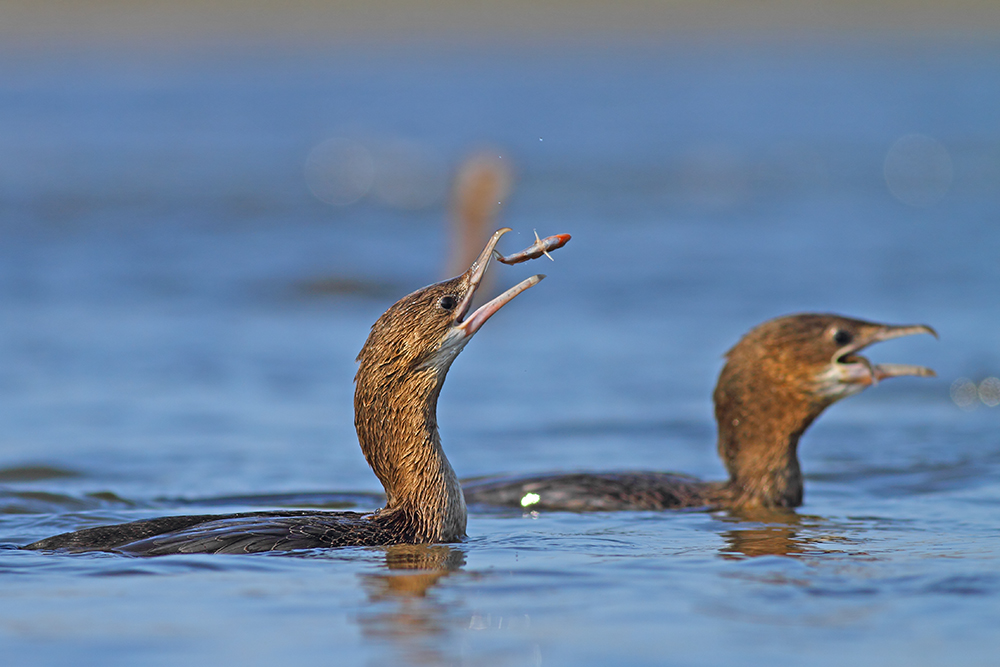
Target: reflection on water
[[774, 532], [403, 609], [414, 568]]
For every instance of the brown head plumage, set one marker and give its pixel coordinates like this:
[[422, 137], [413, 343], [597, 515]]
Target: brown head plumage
[[777, 379], [403, 365]]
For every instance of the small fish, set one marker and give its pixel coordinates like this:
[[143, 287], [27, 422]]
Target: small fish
[[537, 249]]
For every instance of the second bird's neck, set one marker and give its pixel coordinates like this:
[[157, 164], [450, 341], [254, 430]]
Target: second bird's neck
[[758, 442]]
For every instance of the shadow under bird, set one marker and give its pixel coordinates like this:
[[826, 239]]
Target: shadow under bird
[[777, 379], [402, 368]]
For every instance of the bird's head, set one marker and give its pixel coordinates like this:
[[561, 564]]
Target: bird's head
[[425, 330]]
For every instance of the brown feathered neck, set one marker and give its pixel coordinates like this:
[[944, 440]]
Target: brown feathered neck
[[402, 368], [401, 372], [777, 379]]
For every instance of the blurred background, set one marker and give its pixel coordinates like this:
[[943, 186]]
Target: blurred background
[[205, 205]]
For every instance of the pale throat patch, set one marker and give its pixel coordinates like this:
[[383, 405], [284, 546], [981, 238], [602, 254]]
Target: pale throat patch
[[453, 343], [842, 380]]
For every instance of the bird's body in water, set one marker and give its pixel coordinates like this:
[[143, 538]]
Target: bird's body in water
[[777, 379], [402, 367]]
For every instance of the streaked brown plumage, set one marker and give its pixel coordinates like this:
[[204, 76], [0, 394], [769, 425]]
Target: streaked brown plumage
[[777, 379], [403, 365]]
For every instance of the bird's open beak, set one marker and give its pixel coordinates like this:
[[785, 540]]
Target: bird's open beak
[[471, 324], [855, 369]]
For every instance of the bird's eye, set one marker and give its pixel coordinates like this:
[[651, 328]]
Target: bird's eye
[[448, 302], [841, 337]]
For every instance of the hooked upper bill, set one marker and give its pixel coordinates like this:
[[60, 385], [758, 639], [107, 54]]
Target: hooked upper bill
[[471, 324]]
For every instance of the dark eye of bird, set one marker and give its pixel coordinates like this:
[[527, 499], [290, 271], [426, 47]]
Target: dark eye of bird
[[448, 302], [841, 337]]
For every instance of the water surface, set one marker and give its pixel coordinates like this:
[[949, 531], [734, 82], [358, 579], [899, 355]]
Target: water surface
[[161, 351]]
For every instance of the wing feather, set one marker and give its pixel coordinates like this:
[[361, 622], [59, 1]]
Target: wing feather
[[249, 532]]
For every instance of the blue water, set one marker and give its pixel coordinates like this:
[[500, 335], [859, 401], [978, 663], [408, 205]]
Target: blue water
[[162, 350]]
